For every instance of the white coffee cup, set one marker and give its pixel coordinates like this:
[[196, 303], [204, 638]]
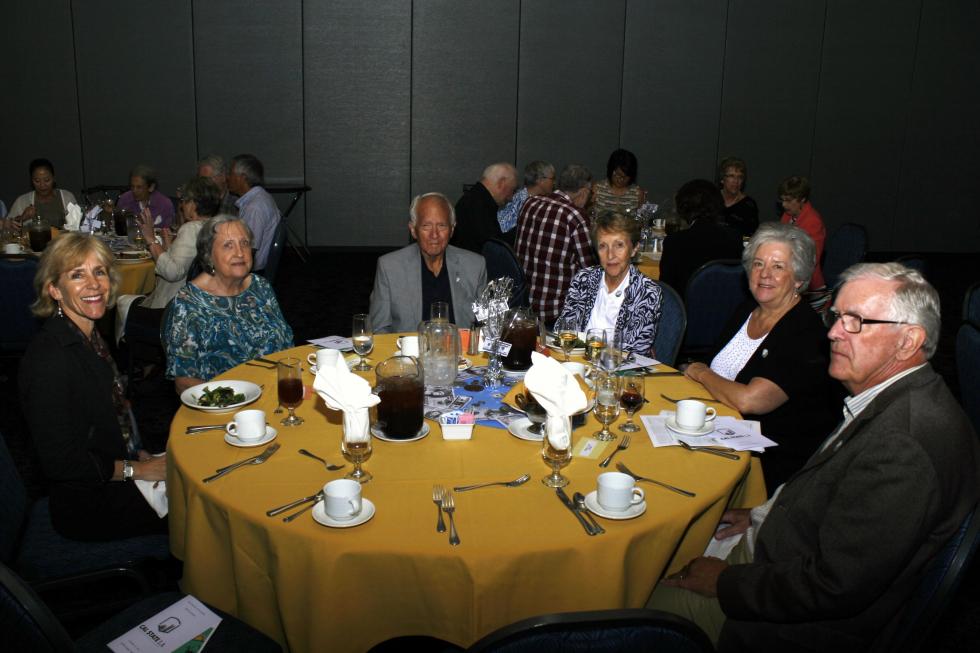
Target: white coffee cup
[[323, 358], [618, 491], [342, 499], [409, 345], [248, 425], [692, 414], [13, 248]]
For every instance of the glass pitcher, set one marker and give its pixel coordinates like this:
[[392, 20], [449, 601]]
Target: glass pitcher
[[521, 331], [399, 385], [439, 351], [38, 233]]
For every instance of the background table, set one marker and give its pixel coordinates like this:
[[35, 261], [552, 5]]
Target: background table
[[137, 278], [315, 588], [649, 266]]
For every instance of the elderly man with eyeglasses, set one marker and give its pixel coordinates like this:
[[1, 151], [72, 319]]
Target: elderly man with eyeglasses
[[830, 561]]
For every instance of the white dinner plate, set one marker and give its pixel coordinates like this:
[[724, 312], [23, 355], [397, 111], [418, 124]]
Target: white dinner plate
[[191, 395], [592, 503], [519, 429], [320, 515], [235, 441], [132, 256], [551, 338], [671, 424], [424, 431]]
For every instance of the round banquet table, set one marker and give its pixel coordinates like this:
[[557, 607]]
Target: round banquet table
[[315, 588], [649, 266], [137, 278]]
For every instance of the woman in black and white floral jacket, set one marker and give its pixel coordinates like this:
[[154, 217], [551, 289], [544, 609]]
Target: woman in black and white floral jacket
[[614, 293]]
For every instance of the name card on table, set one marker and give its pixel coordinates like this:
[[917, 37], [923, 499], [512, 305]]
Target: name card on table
[[185, 626], [333, 342]]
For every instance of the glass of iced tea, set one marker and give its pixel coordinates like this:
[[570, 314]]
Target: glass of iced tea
[[290, 373], [556, 459]]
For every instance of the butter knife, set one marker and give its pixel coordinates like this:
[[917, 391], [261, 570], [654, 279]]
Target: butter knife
[[571, 506]]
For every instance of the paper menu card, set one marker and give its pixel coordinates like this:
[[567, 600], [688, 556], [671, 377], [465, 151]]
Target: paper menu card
[[184, 626], [333, 342], [737, 434]]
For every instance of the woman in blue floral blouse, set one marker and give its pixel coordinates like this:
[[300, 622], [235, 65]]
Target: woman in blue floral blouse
[[226, 315], [615, 293]]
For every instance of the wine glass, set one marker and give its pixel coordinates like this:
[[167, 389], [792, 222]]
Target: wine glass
[[632, 398], [363, 338], [439, 312], [567, 335], [611, 356], [289, 371], [595, 342], [607, 392], [356, 451], [556, 459]]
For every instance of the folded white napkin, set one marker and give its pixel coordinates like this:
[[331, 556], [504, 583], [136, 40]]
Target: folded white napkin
[[557, 390], [343, 390], [155, 493], [73, 217]]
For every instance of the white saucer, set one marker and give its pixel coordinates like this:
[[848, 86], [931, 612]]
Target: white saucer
[[514, 373], [424, 431], [671, 423], [320, 515], [519, 429], [235, 441], [592, 503]]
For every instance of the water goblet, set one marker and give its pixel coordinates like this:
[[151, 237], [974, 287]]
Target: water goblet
[[356, 451], [439, 312], [567, 335], [631, 398], [363, 339], [611, 356], [290, 386], [595, 342], [607, 392], [556, 459]]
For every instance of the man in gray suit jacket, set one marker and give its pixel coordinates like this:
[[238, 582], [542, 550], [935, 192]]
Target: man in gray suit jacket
[[841, 546], [410, 279]]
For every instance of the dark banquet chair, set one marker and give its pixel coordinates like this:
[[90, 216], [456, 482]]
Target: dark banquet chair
[[502, 262], [968, 370], [713, 293], [18, 326], [271, 268], [670, 331], [971, 305]]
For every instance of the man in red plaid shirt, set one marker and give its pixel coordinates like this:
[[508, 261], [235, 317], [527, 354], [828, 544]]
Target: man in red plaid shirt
[[553, 241]]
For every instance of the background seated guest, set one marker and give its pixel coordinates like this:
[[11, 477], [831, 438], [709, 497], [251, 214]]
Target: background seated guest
[[224, 316], [831, 561], [255, 205], [741, 211], [707, 239], [771, 362], [794, 194], [144, 198], [618, 192], [476, 210], [74, 401], [614, 293], [408, 280], [46, 199], [539, 179], [214, 168]]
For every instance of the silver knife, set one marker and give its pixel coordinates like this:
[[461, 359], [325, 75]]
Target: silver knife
[[256, 460], [571, 506], [292, 504], [208, 427]]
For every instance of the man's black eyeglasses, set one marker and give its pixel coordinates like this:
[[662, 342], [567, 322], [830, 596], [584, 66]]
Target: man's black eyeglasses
[[852, 322]]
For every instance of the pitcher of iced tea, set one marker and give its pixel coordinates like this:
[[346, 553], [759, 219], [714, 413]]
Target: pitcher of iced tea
[[521, 331], [402, 393]]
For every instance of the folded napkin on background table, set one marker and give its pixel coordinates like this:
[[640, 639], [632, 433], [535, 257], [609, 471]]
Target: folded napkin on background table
[[343, 390], [73, 217], [558, 391], [155, 493]]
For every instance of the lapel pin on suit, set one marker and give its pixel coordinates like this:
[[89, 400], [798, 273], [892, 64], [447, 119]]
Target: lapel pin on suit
[[765, 352]]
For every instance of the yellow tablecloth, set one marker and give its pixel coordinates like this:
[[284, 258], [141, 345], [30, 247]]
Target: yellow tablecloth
[[649, 266], [315, 588], [137, 278]]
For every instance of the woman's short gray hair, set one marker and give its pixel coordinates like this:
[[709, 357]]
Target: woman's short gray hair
[[802, 251], [915, 300], [535, 171], [209, 233]]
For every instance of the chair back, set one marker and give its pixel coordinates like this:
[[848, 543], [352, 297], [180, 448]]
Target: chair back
[[939, 582], [26, 623], [673, 322], [845, 247], [275, 253], [600, 630], [968, 370], [18, 326], [971, 305], [13, 508], [713, 293], [502, 262]]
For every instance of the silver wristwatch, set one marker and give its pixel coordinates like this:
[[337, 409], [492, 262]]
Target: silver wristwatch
[[127, 470]]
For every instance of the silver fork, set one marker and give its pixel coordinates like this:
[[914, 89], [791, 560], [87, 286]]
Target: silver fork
[[623, 444], [674, 401], [520, 480], [449, 505], [437, 495]]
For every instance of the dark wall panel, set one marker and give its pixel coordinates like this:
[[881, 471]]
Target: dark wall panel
[[357, 76], [770, 89], [570, 81], [135, 89], [672, 90], [862, 113], [464, 90], [248, 63], [938, 196], [39, 111]]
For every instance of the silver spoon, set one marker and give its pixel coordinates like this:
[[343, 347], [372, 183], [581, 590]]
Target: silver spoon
[[579, 500], [329, 466], [520, 480], [716, 452]]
